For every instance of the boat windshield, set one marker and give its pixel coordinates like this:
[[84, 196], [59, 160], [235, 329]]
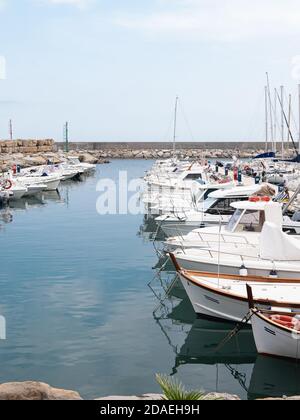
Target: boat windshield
[[234, 220], [246, 221], [193, 177], [74, 160], [209, 203]]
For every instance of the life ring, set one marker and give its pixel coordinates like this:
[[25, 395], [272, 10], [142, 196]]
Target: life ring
[[8, 184]]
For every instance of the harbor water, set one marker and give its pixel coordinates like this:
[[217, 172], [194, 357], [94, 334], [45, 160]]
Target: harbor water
[[74, 291]]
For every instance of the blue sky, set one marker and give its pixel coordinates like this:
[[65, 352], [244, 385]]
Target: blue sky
[[113, 68]]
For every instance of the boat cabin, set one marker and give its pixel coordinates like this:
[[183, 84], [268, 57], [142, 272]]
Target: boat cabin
[[250, 216]]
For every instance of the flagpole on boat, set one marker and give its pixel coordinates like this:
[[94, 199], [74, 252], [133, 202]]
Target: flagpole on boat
[[175, 127]]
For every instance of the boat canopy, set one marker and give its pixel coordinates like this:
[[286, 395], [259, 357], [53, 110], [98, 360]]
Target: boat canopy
[[275, 245], [244, 191], [267, 155]]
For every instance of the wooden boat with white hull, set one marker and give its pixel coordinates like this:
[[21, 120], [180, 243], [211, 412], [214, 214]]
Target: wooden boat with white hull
[[275, 333], [225, 297]]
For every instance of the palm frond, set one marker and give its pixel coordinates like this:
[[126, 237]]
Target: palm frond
[[175, 391]]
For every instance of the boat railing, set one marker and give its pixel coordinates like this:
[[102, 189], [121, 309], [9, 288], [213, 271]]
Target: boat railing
[[225, 238], [213, 253]]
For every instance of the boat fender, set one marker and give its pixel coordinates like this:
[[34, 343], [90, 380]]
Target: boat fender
[[273, 274], [254, 199], [243, 271]]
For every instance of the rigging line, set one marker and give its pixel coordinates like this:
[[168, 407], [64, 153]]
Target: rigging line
[[186, 120], [292, 112], [255, 114], [240, 377], [167, 135], [287, 123]]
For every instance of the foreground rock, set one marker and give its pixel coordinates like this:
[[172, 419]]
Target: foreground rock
[[159, 397], [34, 391], [145, 397], [38, 391]]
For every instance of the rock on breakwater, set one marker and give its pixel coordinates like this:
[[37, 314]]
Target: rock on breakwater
[[26, 146]]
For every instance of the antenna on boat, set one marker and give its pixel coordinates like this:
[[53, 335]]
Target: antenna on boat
[[175, 127]]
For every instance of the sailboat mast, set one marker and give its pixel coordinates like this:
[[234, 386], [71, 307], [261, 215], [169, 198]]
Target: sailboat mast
[[282, 121], [299, 117], [11, 130], [267, 117], [175, 127], [270, 110], [275, 120], [289, 123]]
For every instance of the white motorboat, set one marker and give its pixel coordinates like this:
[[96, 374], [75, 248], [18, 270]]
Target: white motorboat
[[275, 333], [216, 209], [50, 182], [74, 162], [244, 227], [225, 296], [277, 252], [62, 171]]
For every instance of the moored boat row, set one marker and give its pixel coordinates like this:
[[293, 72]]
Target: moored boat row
[[226, 228], [19, 183]]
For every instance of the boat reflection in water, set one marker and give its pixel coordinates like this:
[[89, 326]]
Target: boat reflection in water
[[274, 378], [5, 215], [196, 341], [150, 230]]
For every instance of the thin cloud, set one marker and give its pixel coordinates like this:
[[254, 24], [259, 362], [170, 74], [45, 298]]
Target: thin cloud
[[221, 20], [81, 4]]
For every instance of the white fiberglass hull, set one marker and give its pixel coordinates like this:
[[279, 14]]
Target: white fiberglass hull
[[34, 190], [273, 340], [220, 302], [18, 193], [255, 267]]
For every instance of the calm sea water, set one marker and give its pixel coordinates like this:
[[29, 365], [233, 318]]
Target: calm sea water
[[80, 314]]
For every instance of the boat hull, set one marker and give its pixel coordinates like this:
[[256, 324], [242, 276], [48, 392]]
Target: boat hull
[[275, 341], [213, 305], [211, 266]]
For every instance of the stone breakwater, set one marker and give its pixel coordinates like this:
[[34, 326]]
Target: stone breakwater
[[28, 153], [38, 391], [26, 146]]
